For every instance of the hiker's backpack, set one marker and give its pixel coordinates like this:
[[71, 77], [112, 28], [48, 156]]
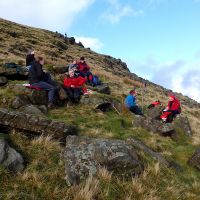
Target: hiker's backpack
[[95, 80]]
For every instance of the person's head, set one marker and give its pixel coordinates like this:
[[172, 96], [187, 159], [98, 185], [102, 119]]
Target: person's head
[[171, 96], [71, 73], [133, 92], [82, 59], [40, 59], [74, 61]]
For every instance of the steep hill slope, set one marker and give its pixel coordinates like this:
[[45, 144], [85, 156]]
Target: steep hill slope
[[44, 174]]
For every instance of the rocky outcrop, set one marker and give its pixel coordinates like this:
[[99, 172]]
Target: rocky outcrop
[[3, 80], [180, 124], [13, 71], [85, 156], [25, 95], [10, 158], [103, 88], [194, 161], [156, 156], [155, 112], [32, 110], [36, 125]]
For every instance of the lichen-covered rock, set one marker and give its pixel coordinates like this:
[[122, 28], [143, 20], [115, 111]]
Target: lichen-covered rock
[[181, 122], [155, 112], [85, 156], [36, 125], [19, 101], [10, 158], [195, 159], [32, 110], [36, 97], [3, 80], [103, 88]]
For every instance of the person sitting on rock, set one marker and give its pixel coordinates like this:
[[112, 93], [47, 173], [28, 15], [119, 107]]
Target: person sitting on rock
[[130, 103], [73, 85], [30, 58], [38, 78], [73, 66], [173, 108], [84, 70]]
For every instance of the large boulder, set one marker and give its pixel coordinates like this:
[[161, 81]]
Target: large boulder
[[85, 156], [155, 126], [3, 80], [10, 158], [13, 71], [32, 110], [36, 125], [36, 97], [181, 122], [195, 159], [154, 112], [19, 101], [103, 88]]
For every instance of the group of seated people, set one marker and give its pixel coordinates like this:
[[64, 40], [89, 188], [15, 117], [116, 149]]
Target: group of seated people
[[77, 75], [173, 108]]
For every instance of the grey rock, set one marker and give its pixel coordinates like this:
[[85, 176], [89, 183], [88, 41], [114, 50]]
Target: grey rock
[[85, 156], [3, 80], [181, 122], [36, 97], [20, 101], [155, 112], [195, 159], [31, 109], [103, 88], [10, 158], [36, 125]]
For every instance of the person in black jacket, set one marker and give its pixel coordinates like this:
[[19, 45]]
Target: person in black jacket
[[30, 58], [37, 77]]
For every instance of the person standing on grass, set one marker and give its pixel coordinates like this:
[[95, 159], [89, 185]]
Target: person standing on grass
[[130, 103], [38, 78]]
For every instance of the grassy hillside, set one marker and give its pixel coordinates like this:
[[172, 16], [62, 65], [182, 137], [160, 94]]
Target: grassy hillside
[[43, 177]]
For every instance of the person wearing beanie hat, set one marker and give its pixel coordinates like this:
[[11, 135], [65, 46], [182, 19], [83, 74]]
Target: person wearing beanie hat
[[84, 70], [130, 103], [173, 108], [30, 58]]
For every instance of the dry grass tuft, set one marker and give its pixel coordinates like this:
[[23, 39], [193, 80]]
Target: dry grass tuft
[[105, 175], [89, 190]]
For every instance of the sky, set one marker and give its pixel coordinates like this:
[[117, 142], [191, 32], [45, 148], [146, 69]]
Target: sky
[[158, 39]]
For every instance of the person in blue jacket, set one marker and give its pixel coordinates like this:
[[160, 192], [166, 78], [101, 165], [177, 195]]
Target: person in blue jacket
[[130, 103]]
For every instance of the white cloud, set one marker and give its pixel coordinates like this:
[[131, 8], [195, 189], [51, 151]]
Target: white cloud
[[117, 11], [93, 43], [51, 14], [180, 75]]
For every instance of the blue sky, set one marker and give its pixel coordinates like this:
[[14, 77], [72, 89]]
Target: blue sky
[[158, 39]]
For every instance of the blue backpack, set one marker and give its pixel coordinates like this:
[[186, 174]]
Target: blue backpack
[[96, 81]]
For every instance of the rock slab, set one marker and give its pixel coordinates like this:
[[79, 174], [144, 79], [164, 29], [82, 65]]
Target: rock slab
[[10, 158], [84, 156]]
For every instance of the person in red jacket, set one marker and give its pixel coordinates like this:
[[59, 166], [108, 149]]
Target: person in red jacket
[[74, 86], [84, 70], [173, 108]]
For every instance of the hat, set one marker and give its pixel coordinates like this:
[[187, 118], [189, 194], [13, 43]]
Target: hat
[[132, 92], [82, 58]]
